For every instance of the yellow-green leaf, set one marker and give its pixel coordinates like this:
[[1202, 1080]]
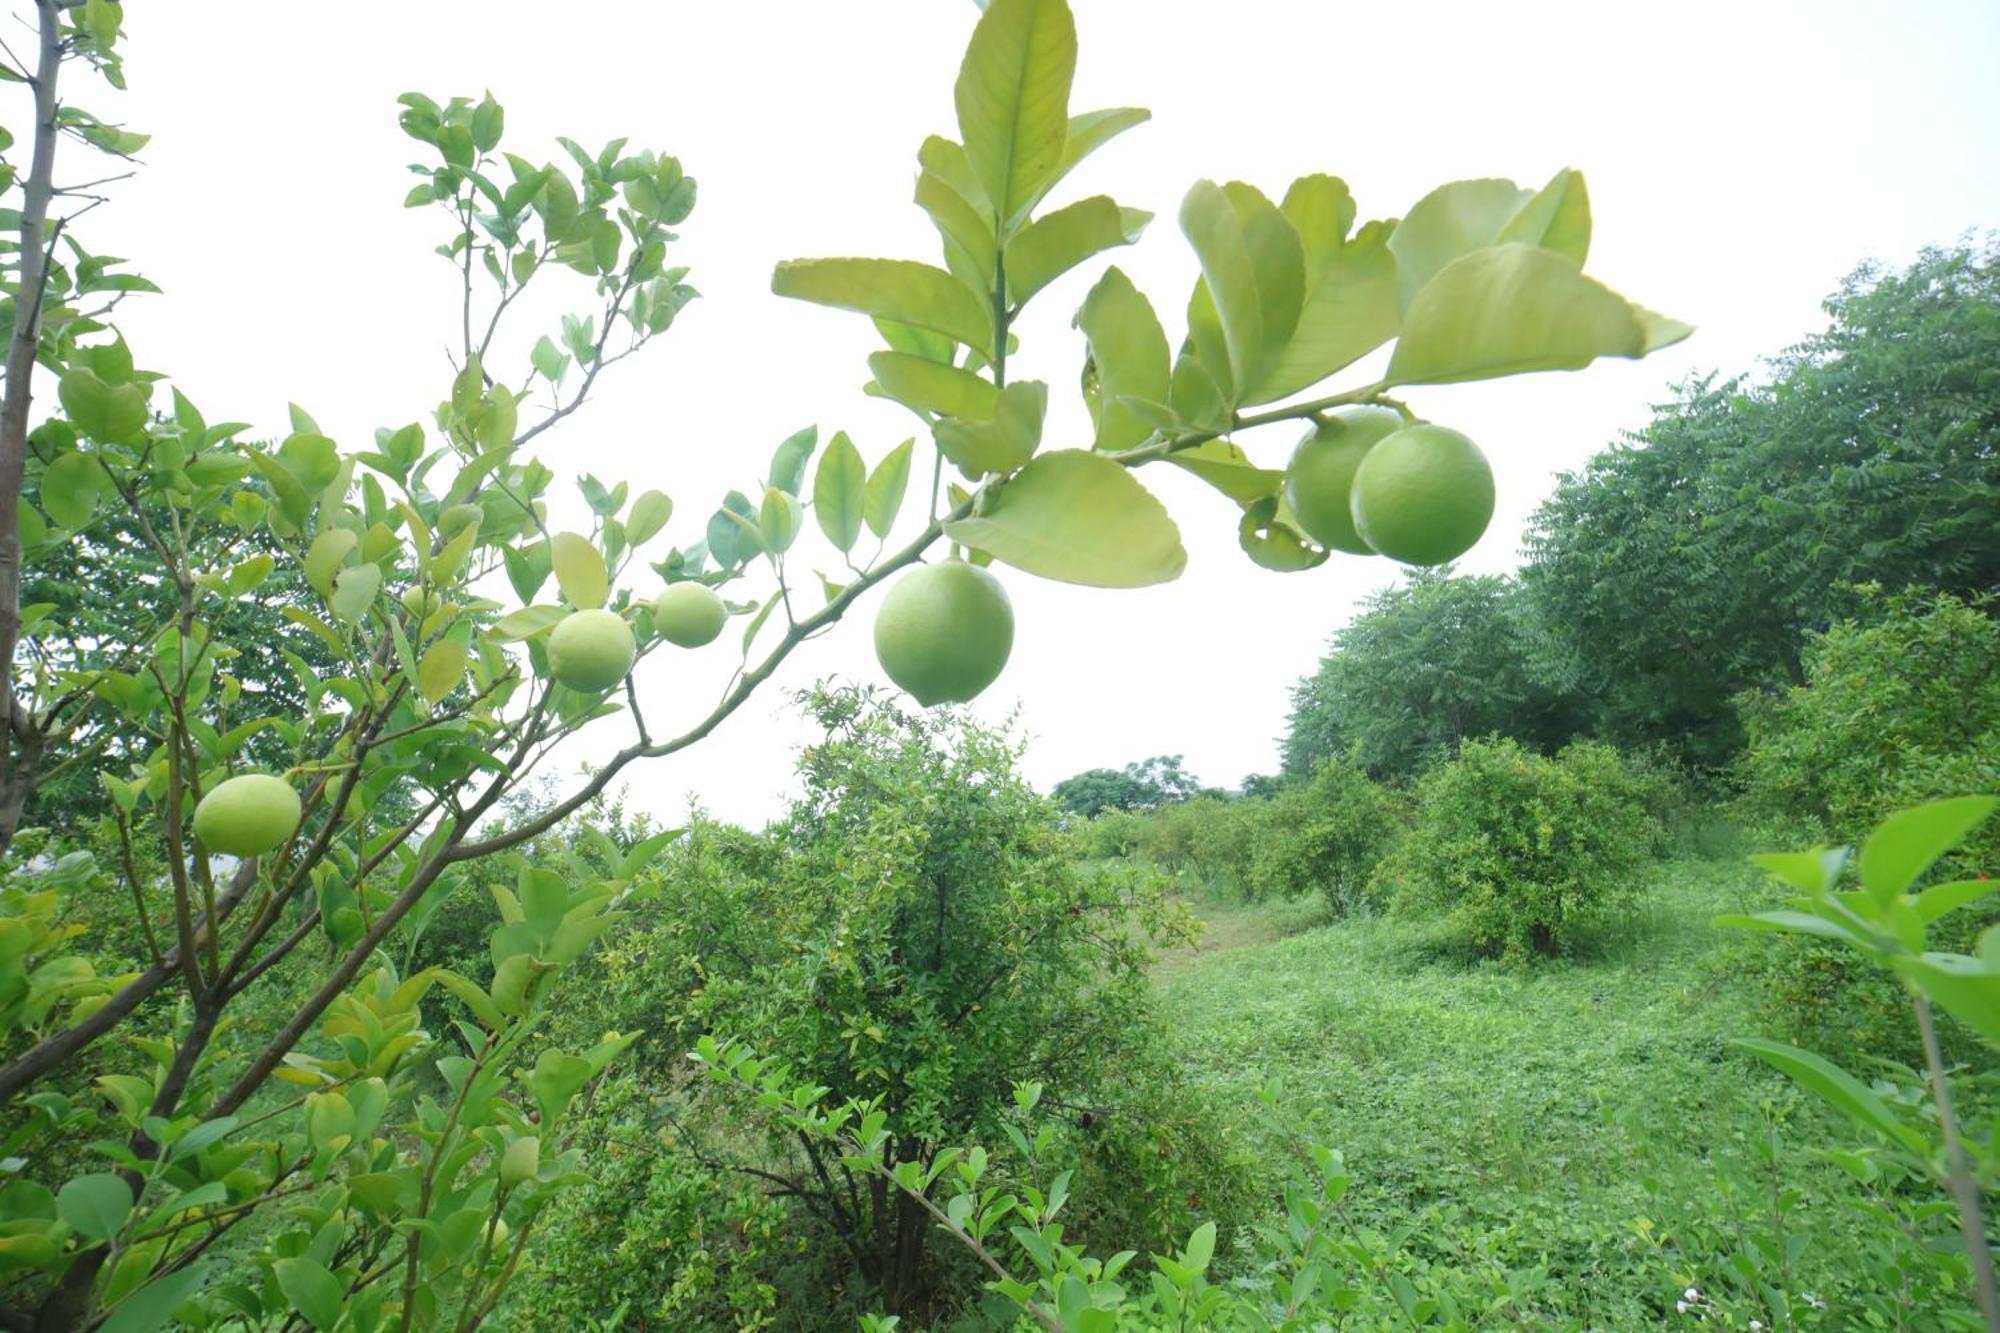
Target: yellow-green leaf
[[1057, 242], [1077, 517], [1012, 98], [898, 289], [354, 590], [1253, 267], [839, 493], [926, 385], [1514, 308], [580, 571], [442, 668], [1350, 305], [326, 555], [1006, 441], [1128, 358], [886, 485], [1228, 469]]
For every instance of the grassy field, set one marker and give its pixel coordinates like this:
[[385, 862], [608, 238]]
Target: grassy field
[[1575, 1146]]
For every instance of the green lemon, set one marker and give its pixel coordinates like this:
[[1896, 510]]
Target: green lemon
[[591, 651], [944, 631], [689, 615], [1322, 471], [1423, 495], [247, 815]]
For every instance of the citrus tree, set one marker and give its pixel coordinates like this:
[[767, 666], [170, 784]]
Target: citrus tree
[[287, 1130]]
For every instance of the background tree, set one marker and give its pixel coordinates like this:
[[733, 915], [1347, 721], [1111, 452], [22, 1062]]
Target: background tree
[[1690, 561], [1145, 784], [1425, 666]]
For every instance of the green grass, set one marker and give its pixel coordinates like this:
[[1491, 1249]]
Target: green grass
[[1582, 1133]]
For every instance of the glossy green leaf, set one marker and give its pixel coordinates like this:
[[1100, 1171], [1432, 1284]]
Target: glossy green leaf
[[886, 487], [1273, 543], [1012, 98], [1904, 845], [71, 487], [788, 464], [1091, 130], [779, 519], [313, 1291], [1940, 899], [923, 384], [354, 590], [1128, 359], [1077, 517], [326, 555], [95, 1206], [579, 569], [1253, 268], [898, 289], [1811, 873], [1966, 988], [109, 414], [964, 227], [1350, 305], [1786, 923], [441, 669], [527, 623], [1451, 221], [1556, 218], [1511, 309], [1006, 441], [840, 492], [153, 1305], [1837, 1088], [648, 515], [1057, 242], [1228, 469]]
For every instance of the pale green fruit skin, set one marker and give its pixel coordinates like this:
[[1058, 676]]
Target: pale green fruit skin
[[1423, 495], [944, 631], [247, 815], [689, 615], [1321, 473], [591, 650]]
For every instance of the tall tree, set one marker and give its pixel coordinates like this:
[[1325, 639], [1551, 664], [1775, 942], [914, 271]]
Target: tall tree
[[1690, 560], [1426, 665]]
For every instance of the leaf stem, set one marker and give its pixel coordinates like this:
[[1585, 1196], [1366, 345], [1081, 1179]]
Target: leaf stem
[[1964, 1189]]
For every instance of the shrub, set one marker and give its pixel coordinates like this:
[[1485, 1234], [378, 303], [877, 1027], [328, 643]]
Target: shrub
[[1895, 711], [1325, 835], [1522, 854], [918, 930]]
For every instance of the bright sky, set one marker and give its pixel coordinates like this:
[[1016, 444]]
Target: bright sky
[[1741, 158]]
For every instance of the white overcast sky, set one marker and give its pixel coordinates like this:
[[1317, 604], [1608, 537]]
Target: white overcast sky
[[1741, 157]]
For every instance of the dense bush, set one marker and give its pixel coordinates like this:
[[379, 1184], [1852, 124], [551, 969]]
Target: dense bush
[[1521, 853], [1898, 709], [1426, 665], [919, 930], [1325, 835]]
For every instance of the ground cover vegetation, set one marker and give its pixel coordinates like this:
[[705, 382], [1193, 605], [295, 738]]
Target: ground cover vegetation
[[324, 1004]]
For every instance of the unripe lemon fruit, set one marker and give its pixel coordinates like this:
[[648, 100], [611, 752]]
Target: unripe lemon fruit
[[1321, 473], [944, 631], [591, 651], [689, 615], [247, 815], [1423, 495]]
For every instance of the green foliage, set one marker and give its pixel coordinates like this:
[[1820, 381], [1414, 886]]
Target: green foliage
[[299, 1126], [1900, 707], [1901, 890], [1425, 666], [1325, 836], [1690, 562], [1523, 855], [1145, 784], [915, 934]]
